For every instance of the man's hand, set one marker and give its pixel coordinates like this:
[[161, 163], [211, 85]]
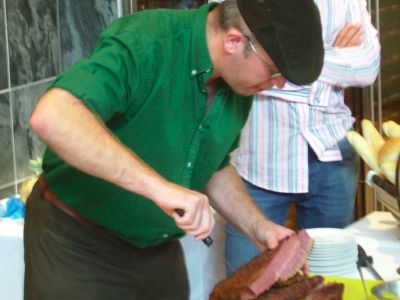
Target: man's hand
[[349, 36], [198, 219], [268, 234]]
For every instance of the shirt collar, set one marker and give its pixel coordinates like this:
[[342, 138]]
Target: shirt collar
[[200, 59]]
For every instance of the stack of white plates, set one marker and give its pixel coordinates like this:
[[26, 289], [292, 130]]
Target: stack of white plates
[[334, 252]]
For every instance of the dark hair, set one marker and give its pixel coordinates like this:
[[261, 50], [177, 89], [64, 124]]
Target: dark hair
[[228, 16]]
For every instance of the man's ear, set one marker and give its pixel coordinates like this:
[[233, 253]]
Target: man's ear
[[233, 40]]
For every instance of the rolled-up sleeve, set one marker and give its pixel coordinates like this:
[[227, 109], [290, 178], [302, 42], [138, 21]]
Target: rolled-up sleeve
[[105, 81]]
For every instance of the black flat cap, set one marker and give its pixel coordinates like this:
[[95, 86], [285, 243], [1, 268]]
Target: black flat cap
[[290, 32]]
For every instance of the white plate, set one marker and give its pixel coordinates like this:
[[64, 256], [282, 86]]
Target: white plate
[[336, 272], [334, 251], [330, 254], [336, 248], [335, 269], [330, 235], [332, 262], [337, 245]]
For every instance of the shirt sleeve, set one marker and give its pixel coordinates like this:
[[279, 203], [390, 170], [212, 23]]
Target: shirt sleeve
[[104, 81], [353, 66]]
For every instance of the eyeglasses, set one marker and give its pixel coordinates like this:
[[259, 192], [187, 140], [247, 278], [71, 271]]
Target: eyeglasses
[[253, 48]]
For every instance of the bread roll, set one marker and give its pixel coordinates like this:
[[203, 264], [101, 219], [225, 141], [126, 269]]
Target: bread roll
[[391, 129], [390, 151], [389, 170], [372, 135], [365, 150]]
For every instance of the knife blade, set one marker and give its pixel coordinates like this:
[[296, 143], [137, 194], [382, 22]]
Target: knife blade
[[366, 261]]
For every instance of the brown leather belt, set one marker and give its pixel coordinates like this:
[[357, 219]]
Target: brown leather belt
[[49, 196]]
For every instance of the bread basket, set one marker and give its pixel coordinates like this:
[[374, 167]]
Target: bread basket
[[387, 192]]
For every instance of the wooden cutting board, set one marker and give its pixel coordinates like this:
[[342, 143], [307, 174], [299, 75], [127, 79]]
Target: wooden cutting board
[[353, 288]]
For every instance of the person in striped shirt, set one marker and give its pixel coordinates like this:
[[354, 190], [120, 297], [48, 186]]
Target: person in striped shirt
[[293, 148]]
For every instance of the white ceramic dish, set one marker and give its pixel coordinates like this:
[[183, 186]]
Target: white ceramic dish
[[330, 236]]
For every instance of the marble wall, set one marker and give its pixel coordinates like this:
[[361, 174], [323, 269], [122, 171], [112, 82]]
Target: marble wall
[[3, 54], [38, 40], [32, 40], [79, 32]]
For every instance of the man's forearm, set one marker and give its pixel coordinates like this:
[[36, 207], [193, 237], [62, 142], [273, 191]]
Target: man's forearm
[[229, 197]]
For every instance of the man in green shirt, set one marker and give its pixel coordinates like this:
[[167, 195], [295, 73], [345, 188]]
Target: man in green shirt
[[143, 128]]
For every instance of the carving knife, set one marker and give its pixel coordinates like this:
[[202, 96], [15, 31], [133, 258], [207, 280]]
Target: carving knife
[[208, 241]]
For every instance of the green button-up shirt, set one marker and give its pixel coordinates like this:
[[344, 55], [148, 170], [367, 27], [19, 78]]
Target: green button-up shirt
[[146, 80]]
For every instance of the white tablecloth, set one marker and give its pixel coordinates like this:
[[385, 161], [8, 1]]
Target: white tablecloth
[[377, 233], [11, 260]]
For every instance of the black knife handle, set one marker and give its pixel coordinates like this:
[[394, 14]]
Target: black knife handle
[[208, 240], [363, 258]]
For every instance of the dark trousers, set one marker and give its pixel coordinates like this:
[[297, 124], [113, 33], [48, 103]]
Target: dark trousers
[[68, 260]]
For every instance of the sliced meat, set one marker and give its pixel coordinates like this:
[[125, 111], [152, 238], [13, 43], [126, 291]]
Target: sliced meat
[[296, 291], [331, 291], [232, 287], [299, 257], [274, 275], [258, 275], [299, 276], [281, 263]]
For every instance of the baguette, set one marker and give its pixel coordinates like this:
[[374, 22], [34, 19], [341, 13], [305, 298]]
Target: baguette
[[391, 129], [372, 135], [365, 150], [389, 152], [389, 170]]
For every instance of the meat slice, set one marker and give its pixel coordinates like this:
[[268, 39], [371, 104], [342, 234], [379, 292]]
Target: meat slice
[[258, 275], [232, 287], [299, 276], [308, 288], [275, 275], [283, 263], [331, 291], [298, 258], [296, 291]]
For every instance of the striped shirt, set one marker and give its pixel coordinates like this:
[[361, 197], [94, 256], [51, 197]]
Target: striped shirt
[[273, 152]]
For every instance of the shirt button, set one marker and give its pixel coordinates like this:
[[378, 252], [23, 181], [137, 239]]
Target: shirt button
[[194, 72], [189, 164], [203, 127], [165, 235]]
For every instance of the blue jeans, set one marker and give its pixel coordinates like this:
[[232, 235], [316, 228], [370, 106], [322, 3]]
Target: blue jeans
[[329, 203]]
